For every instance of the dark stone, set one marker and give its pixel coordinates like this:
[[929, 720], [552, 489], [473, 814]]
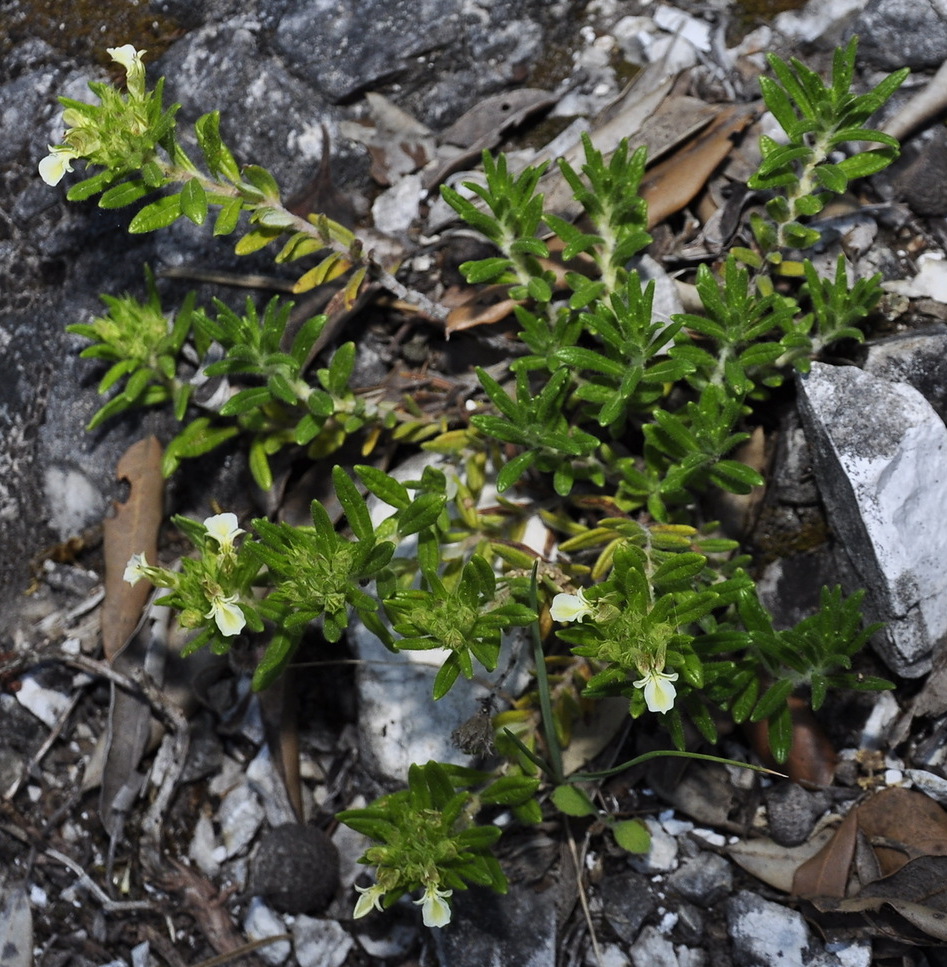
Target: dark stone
[[486, 928], [627, 901], [704, 880], [295, 869], [792, 812]]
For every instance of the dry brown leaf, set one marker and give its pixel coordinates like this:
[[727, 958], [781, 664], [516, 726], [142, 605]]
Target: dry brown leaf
[[911, 822], [812, 758], [674, 182], [475, 313], [133, 529], [826, 873], [775, 864]]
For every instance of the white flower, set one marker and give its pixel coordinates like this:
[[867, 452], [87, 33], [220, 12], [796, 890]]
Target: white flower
[[135, 569], [223, 528], [226, 612], [570, 607], [371, 897], [659, 693], [435, 910], [130, 59], [126, 55], [55, 165]]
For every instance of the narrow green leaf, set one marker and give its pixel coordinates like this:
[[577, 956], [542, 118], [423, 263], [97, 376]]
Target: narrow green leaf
[[124, 194], [352, 503], [159, 214]]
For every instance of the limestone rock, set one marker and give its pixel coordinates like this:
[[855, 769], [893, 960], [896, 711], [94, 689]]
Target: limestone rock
[[880, 453]]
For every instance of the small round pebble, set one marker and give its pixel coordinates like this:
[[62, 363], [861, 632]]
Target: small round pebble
[[295, 869]]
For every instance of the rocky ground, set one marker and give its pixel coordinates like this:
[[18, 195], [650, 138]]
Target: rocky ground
[[108, 855]]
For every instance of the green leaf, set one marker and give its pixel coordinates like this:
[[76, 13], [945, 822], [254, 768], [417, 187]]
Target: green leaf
[[678, 572], [123, 194], [89, 187], [228, 217], [484, 270], [383, 486], [194, 201], [422, 512], [780, 734], [446, 676], [510, 791], [263, 181], [539, 289], [277, 655], [159, 214], [772, 700], [573, 801], [260, 464], [246, 400], [352, 503], [632, 835], [515, 469]]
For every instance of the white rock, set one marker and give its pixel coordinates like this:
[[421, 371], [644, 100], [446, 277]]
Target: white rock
[[884, 712], [202, 849], [929, 283], [930, 784], [266, 783], [261, 922], [320, 943], [880, 451], [856, 953], [47, 705], [764, 932], [651, 949], [395, 210], [691, 29], [240, 816], [611, 956]]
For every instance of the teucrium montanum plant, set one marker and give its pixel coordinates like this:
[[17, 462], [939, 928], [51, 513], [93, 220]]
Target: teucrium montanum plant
[[606, 401]]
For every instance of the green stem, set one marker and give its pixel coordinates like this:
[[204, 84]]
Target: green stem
[[542, 684], [605, 773]]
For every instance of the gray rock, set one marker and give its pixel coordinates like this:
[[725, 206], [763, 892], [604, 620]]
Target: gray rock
[[21, 102], [628, 900], [268, 116], [690, 925], [704, 880], [343, 49], [916, 358], [880, 451], [902, 33], [792, 812], [488, 930]]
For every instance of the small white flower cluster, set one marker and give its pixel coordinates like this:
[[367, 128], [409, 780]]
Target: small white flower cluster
[[224, 608], [54, 166], [659, 693], [435, 910]]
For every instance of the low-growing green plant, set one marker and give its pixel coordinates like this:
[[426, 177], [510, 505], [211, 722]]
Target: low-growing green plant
[[612, 426]]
